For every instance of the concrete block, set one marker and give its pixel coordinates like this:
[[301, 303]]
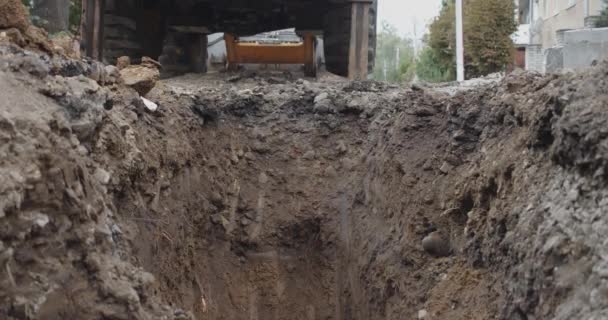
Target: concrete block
[[554, 59], [584, 54], [596, 35]]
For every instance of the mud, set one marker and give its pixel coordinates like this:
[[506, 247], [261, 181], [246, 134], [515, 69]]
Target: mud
[[266, 196]]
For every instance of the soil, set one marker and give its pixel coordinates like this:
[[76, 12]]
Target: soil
[[13, 15], [269, 196]]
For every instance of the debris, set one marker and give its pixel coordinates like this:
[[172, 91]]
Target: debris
[[436, 245], [102, 176], [141, 77], [150, 106], [446, 167], [422, 314], [123, 62]]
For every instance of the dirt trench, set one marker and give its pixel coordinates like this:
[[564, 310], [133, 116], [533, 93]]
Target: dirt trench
[[265, 196]]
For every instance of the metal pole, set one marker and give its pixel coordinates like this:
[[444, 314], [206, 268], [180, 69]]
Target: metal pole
[[459, 43]]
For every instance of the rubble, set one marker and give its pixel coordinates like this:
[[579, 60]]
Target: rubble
[[142, 77]]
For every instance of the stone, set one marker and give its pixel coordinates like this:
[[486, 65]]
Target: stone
[[436, 245], [330, 172], [422, 314], [123, 62], [446, 167], [321, 97], [30, 64], [150, 63], [341, 147], [112, 74], [427, 165], [142, 78], [102, 176], [309, 155], [216, 218], [263, 178], [38, 219]]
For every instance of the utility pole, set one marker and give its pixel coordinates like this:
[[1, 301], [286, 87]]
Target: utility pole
[[397, 59], [459, 43], [384, 70]]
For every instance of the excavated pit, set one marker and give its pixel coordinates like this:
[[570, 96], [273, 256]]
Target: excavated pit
[[270, 197]]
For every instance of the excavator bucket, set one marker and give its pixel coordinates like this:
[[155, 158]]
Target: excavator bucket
[[260, 52]]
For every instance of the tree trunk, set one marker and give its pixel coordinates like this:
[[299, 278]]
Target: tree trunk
[[52, 15]]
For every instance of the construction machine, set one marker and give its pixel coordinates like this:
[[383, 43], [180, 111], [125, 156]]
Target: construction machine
[[175, 31]]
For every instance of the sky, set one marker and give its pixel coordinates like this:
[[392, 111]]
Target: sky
[[409, 16]]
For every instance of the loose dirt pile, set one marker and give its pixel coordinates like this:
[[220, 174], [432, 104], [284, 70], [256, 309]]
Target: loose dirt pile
[[267, 197]]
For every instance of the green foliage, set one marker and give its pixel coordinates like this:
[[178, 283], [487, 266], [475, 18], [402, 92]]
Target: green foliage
[[388, 67], [602, 20], [75, 13], [441, 50], [429, 68], [488, 26]]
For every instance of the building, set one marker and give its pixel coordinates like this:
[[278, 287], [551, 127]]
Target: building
[[543, 24]]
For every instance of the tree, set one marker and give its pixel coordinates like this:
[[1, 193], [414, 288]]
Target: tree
[[430, 68], [52, 15], [602, 20], [488, 26], [394, 56]]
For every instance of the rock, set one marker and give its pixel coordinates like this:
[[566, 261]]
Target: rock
[[263, 178], [330, 172], [35, 218], [150, 106], [30, 64], [13, 35], [234, 79], [309, 155], [341, 147], [142, 77], [207, 113], [427, 165], [324, 96], [6, 254], [436, 245], [216, 218], [446, 167], [13, 15], [112, 75], [150, 63], [123, 62], [422, 314], [102, 176], [416, 87]]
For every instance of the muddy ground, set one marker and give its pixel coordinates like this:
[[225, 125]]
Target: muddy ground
[[268, 196]]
